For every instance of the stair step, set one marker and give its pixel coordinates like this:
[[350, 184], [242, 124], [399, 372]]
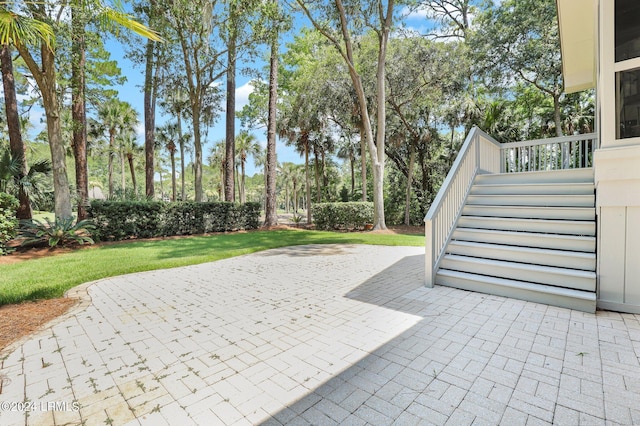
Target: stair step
[[556, 296], [550, 188], [537, 256], [533, 200], [549, 275], [531, 212], [585, 244], [566, 176], [566, 227]]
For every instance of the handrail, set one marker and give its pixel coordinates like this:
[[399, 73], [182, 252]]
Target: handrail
[[565, 152], [480, 152], [547, 141]]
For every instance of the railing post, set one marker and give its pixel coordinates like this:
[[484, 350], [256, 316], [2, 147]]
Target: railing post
[[476, 145], [428, 254]]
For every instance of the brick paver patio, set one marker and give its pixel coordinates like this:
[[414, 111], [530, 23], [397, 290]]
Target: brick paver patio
[[319, 335]]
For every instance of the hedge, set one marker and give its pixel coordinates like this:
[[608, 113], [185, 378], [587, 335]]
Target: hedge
[[8, 221], [119, 220], [345, 216]]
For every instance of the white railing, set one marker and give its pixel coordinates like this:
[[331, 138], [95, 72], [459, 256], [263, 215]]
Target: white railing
[[567, 152], [479, 153]]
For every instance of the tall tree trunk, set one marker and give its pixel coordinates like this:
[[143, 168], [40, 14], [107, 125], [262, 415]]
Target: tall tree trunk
[[149, 118], [381, 113], [62, 194], [363, 161], [16, 144], [307, 177], [230, 126], [79, 112], [45, 76], [221, 187], [317, 174], [325, 178], [122, 175], [161, 178], [243, 195], [271, 215], [173, 175], [182, 190], [133, 172], [286, 197], [237, 182], [352, 166], [112, 153], [197, 148], [556, 114], [407, 209]]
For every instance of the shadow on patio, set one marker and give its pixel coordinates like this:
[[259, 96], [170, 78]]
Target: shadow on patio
[[479, 359]]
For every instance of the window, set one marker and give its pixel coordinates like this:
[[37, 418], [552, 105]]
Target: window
[[627, 27], [627, 52], [628, 103]]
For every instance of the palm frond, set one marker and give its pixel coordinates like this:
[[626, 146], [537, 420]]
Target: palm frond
[[18, 29], [109, 18], [40, 166]]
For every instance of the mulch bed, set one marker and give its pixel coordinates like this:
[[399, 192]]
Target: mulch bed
[[25, 318]]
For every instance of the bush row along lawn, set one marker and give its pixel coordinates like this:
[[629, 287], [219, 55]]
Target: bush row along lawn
[[49, 277]]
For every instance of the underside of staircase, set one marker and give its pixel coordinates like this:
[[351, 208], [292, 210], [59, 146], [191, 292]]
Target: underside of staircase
[[529, 236]]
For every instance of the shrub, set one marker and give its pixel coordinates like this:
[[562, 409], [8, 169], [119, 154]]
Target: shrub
[[118, 220], [61, 231], [8, 221], [349, 216]]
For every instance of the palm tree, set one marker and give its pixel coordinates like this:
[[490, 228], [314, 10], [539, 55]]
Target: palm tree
[[16, 29], [131, 150], [348, 151], [14, 182], [246, 144], [116, 117], [167, 135], [297, 176], [217, 158], [285, 170], [177, 104], [261, 161]]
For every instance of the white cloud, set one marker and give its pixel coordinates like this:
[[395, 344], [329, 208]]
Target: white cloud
[[420, 12], [242, 95]]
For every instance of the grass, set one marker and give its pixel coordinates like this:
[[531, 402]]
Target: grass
[[51, 276]]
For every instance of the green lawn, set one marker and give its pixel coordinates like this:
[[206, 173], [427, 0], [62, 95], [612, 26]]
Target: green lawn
[[51, 276]]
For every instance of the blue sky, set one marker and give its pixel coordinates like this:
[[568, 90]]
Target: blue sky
[[131, 92]]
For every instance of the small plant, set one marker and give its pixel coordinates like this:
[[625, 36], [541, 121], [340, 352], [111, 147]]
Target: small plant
[[61, 231], [296, 219]]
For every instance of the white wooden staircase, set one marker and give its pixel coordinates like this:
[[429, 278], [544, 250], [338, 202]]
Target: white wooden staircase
[[528, 234]]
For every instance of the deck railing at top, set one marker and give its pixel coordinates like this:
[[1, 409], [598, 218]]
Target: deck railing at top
[[480, 153], [566, 152]]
